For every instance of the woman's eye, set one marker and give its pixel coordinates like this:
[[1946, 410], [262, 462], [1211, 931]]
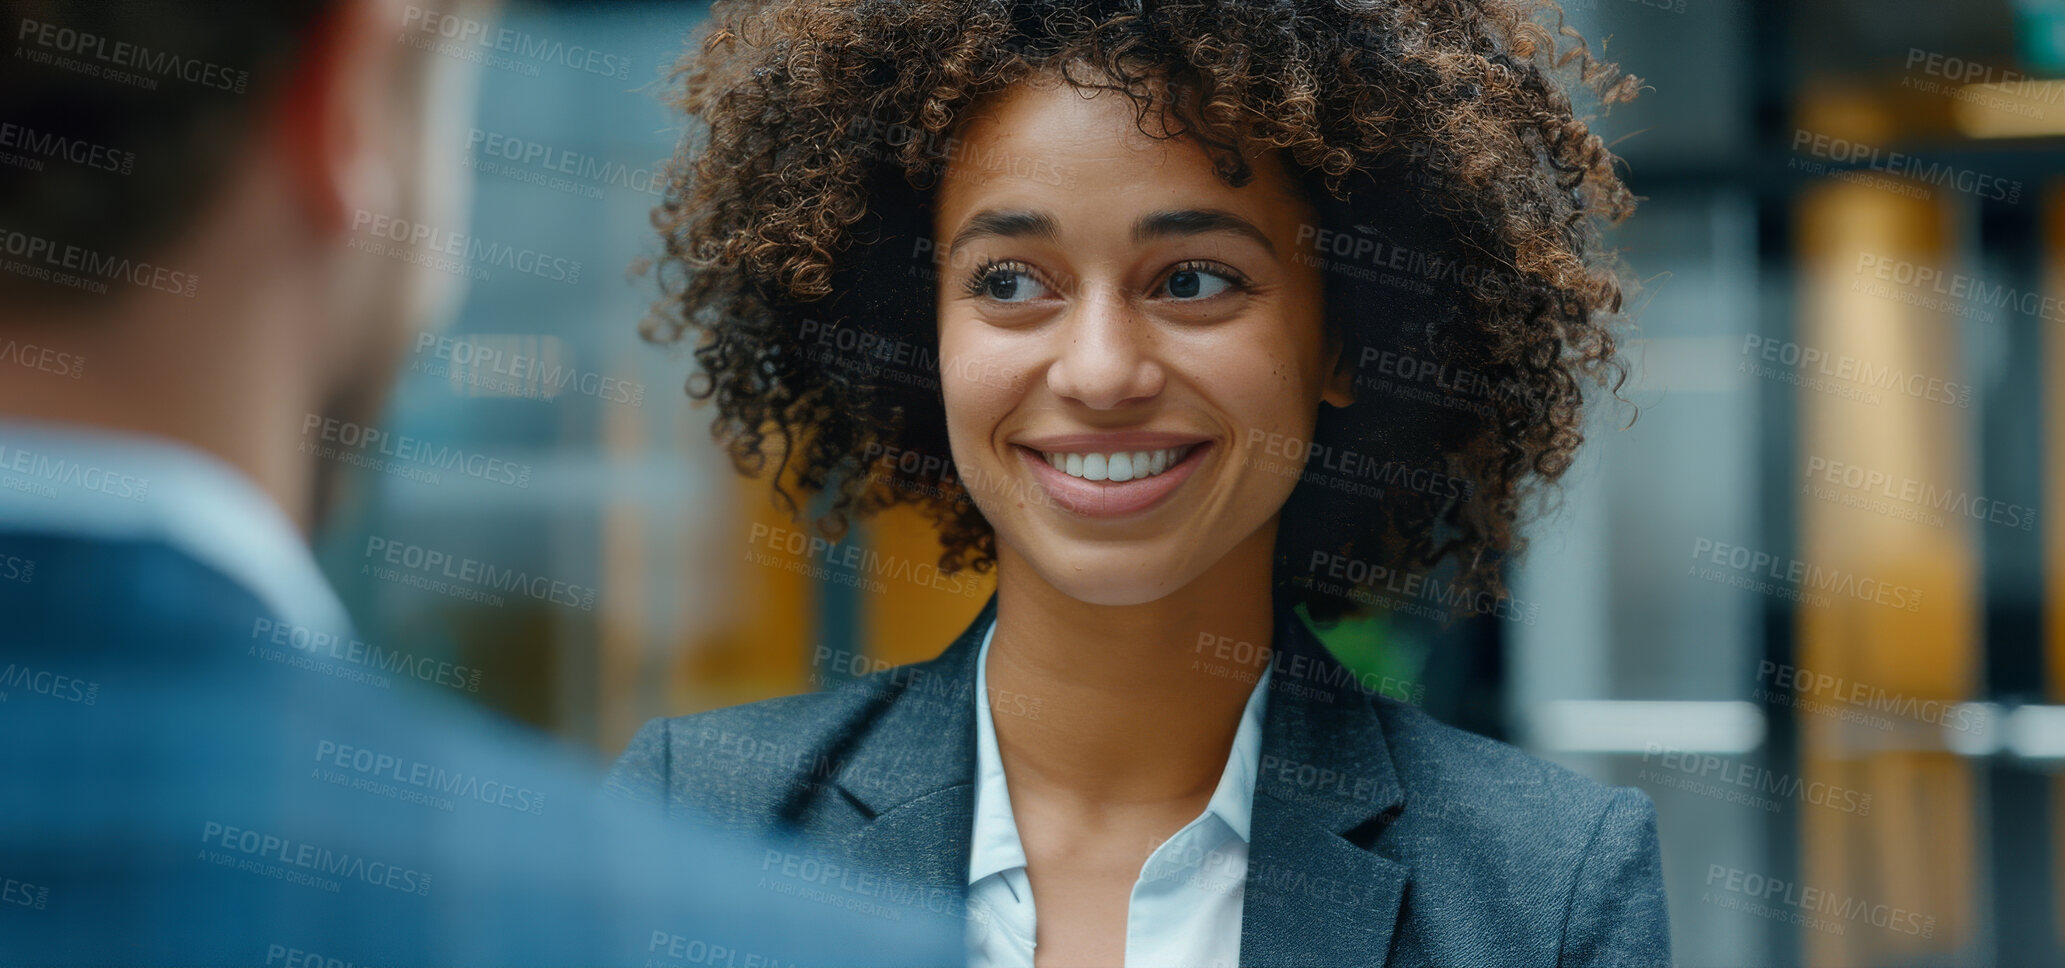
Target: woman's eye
[[1010, 285], [1196, 284]]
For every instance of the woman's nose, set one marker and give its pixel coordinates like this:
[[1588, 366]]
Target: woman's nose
[[1106, 354]]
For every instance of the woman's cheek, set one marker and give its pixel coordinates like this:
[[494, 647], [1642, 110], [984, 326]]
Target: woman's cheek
[[953, 368], [1274, 427], [976, 389]]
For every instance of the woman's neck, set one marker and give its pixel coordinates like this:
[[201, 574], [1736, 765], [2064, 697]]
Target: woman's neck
[[1137, 703]]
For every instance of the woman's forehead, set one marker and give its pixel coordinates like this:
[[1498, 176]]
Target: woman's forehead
[[1054, 142]]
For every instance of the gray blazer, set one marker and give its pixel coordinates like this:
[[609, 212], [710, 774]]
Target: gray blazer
[[1380, 836]]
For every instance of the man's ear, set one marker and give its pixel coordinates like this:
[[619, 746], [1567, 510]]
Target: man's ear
[[1340, 378], [328, 120]]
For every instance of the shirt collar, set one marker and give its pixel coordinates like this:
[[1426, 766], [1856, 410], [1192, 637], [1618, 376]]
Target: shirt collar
[[1233, 801], [70, 479], [995, 847]]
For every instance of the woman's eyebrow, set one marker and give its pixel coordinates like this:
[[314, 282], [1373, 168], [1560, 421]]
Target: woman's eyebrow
[[1193, 221], [1147, 228], [1010, 225]]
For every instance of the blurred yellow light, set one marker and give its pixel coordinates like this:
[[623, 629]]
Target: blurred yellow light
[[2017, 109]]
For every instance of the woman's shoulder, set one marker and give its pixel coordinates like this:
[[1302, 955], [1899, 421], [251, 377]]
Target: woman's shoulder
[[736, 764], [1489, 829], [1435, 759], [1507, 811]]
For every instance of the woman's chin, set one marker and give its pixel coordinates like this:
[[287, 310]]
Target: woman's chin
[[1117, 582]]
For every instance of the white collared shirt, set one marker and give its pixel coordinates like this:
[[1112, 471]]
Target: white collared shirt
[[66, 479], [1185, 908]]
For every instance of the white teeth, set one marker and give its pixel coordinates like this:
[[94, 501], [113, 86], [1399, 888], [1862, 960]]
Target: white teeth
[[1119, 466]]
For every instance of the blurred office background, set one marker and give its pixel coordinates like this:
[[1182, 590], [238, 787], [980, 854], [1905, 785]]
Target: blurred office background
[[1802, 601]]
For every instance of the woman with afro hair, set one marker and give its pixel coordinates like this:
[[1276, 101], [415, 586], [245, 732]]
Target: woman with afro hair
[[1195, 322]]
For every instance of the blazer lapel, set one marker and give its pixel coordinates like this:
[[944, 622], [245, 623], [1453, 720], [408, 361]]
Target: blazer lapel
[[1315, 891], [910, 773]]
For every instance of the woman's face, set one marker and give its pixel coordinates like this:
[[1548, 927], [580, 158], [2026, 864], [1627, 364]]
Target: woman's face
[[1125, 344]]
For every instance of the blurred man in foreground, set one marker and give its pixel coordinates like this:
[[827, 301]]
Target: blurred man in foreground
[[203, 765]]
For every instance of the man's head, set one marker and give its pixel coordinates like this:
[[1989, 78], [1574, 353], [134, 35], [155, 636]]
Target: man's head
[[188, 196]]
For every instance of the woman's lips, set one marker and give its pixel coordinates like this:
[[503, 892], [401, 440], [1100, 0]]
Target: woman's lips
[[1106, 499]]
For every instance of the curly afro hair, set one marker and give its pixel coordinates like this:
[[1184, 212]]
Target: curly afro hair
[[1460, 203]]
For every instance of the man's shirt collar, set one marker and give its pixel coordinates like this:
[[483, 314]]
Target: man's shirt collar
[[74, 480]]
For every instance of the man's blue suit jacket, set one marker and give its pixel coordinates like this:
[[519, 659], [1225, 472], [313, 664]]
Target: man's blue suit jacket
[[180, 787], [1380, 836]]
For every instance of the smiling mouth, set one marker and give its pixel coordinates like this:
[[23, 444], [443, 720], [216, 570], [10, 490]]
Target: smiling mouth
[[1087, 483], [1116, 466]]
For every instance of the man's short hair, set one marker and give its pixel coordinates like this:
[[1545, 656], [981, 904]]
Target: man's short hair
[[118, 118]]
